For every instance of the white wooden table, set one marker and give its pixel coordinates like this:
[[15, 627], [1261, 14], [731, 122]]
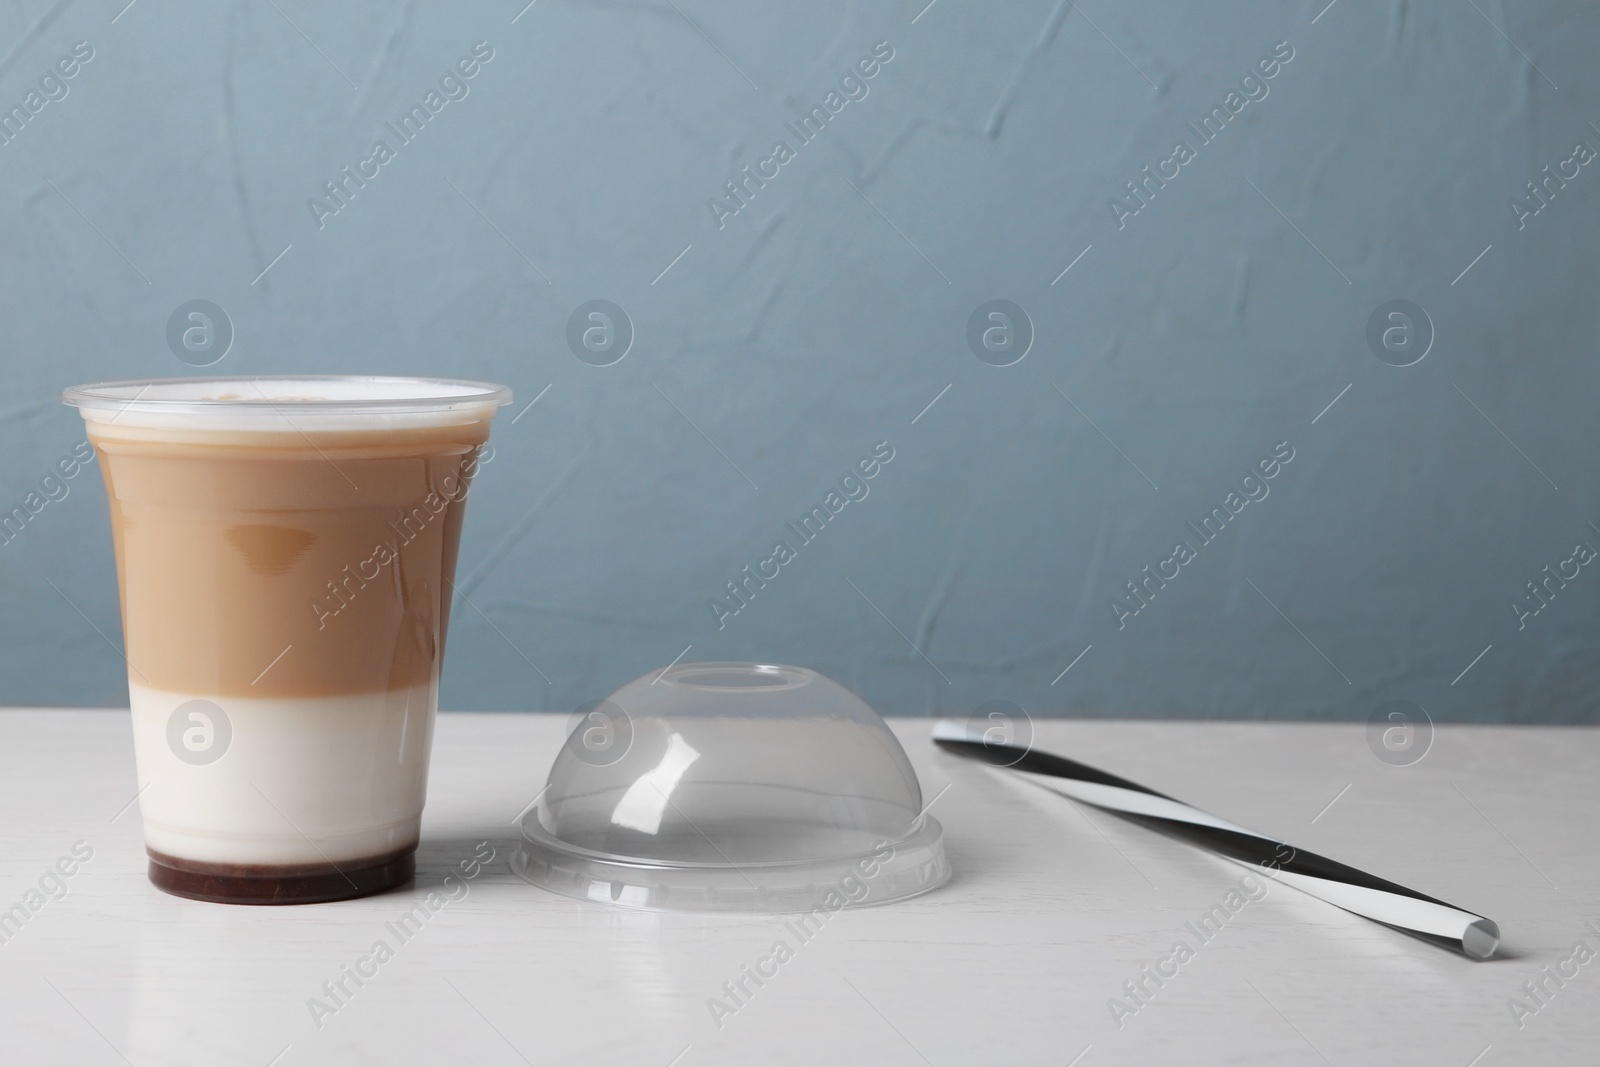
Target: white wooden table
[[1051, 910]]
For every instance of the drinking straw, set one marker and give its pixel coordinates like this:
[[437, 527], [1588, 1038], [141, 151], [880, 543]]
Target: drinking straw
[[1346, 887]]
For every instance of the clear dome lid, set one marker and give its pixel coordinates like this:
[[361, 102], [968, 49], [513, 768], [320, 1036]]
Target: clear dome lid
[[732, 787]]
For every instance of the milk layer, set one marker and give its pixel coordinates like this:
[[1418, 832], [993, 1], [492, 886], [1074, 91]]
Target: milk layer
[[299, 780]]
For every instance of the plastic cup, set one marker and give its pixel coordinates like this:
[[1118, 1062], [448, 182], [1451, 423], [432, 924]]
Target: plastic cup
[[285, 552]]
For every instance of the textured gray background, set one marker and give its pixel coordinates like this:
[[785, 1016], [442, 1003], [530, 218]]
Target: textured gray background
[[823, 318]]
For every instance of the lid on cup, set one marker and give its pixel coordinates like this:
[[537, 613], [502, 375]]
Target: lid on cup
[[732, 787], [287, 402]]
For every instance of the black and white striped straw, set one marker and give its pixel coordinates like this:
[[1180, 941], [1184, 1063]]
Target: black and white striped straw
[[1346, 887]]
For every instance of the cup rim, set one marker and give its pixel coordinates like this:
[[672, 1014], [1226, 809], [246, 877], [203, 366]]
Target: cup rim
[[406, 395]]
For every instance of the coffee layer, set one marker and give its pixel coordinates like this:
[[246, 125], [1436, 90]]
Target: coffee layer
[[286, 564], [232, 883]]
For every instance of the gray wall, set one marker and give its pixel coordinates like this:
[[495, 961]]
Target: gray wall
[[1186, 343]]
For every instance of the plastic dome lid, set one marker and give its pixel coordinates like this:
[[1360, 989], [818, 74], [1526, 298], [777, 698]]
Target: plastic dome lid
[[732, 787]]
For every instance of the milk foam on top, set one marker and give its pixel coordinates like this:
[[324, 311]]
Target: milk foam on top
[[286, 405]]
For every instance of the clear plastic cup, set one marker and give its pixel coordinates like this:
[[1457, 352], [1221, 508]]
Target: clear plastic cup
[[285, 551]]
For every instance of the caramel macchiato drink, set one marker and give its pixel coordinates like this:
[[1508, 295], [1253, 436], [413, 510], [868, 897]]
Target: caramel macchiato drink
[[285, 551]]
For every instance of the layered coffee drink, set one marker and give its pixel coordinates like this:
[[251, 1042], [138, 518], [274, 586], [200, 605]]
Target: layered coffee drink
[[285, 550]]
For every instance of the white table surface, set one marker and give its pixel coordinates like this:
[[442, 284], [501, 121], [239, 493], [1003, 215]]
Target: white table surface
[[1051, 909]]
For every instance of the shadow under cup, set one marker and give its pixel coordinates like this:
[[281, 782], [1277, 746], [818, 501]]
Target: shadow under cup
[[285, 551]]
